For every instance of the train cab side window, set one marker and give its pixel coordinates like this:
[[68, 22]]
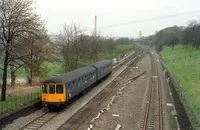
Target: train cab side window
[[44, 88], [51, 88], [59, 89]]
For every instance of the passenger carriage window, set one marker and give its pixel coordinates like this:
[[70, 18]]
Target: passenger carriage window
[[79, 81], [44, 88], [51, 88], [59, 89], [69, 86]]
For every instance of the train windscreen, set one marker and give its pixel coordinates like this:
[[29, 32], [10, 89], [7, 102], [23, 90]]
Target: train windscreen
[[44, 88], [51, 88], [59, 89]]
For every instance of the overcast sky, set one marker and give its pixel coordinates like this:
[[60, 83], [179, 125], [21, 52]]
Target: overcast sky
[[116, 12]]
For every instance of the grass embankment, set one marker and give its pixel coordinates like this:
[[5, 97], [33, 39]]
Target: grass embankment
[[121, 49], [185, 64]]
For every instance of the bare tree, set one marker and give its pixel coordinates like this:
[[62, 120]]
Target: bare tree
[[17, 20], [39, 51], [95, 47], [109, 44], [70, 39]]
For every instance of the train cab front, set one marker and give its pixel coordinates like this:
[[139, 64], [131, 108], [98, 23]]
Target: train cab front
[[53, 95]]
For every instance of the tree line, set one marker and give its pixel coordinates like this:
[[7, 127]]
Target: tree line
[[24, 43], [171, 36], [76, 46]]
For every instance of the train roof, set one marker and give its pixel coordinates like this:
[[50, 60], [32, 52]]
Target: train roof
[[102, 63], [70, 76]]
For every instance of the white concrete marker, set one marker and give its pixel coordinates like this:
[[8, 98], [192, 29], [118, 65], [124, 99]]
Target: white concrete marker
[[108, 107], [118, 127], [115, 115], [155, 76], [169, 105], [98, 114], [177, 123], [119, 93], [91, 126]]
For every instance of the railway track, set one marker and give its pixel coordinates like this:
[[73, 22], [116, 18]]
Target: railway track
[[40, 121], [153, 117], [74, 122]]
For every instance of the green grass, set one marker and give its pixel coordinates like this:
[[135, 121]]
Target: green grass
[[185, 63], [121, 49], [53, 68], [124, 48]]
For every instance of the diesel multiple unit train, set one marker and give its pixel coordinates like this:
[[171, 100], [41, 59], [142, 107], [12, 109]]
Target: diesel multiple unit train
[[60, 89]]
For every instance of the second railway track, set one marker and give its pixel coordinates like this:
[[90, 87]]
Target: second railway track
[[153, 117]]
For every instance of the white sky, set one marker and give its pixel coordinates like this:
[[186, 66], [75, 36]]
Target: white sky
[[112, 12]]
